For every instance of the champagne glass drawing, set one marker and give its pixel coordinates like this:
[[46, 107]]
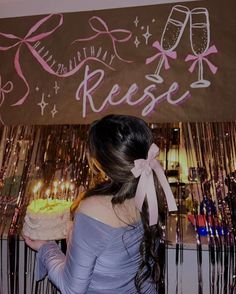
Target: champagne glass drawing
[[170, 38], [200, 40]]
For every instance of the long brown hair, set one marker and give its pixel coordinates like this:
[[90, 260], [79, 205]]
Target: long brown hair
[[115, 141]]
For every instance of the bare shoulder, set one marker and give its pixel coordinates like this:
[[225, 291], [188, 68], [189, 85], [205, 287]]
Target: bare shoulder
[[100, 208], [95, 206]]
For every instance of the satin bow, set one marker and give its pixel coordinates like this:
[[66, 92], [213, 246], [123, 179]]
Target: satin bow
[[196, 58], [162, 52], [144, 168]]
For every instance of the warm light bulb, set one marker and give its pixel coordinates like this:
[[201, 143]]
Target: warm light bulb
[[55, 184], [47, 192], [35, 189], [39, 184], [72, 186]]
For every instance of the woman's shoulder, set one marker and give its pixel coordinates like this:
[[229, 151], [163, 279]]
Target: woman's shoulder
[[89, 231], [97, 207], [100, 208], [92, 204]]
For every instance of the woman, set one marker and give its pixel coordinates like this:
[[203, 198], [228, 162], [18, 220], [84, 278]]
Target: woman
[[113, 247]]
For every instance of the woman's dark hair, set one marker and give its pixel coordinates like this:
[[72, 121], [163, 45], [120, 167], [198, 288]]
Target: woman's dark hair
[[115, 141]]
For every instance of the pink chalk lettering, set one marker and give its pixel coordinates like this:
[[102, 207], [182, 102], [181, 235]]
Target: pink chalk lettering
[[154, 100], [104, 56], [85, 54], [95, 22], [29, 41], [134, 89], [36, 44], [79, 55], [99, 52], [85, 92], [54, 61], [115, 90], [49, 58], [92, 50], [112, 57], [172, 90]]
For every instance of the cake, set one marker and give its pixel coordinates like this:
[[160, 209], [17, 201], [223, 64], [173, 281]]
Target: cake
[[47, 219]]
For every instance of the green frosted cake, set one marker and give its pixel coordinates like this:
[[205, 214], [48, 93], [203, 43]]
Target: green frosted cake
[[47, 219]]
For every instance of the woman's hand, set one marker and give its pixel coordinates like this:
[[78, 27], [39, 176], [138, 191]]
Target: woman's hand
[[34, 244]]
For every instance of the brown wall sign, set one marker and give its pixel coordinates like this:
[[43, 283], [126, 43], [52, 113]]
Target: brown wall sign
[[164, 63]]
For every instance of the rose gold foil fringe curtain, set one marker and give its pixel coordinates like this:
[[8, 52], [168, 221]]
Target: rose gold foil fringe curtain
[[29, 154], [199, 160]]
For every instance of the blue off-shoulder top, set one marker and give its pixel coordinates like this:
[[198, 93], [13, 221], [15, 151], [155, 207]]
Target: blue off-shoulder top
[[100, 259]]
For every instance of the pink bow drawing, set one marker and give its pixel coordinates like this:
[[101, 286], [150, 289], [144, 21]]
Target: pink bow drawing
[[163, 53], [95, 22], [7, 88], [144, 168], [203, 56], [29, 40]]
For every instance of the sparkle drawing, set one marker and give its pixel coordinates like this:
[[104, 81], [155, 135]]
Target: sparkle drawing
[[28, 41], [170, 39], [32, 42], [147, 35], [54, 111], [42, 104], [136, 21], [136, 42], [98, 61], [56, 88]]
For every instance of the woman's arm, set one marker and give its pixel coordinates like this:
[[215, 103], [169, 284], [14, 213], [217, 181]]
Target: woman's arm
[[72, 273]]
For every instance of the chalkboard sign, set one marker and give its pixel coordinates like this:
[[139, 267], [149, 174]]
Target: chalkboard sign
[[164, 63]]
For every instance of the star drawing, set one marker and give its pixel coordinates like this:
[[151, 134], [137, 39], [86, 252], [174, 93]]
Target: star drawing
[[42, 104]]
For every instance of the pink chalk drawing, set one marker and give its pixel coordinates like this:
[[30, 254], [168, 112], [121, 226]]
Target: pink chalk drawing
[[95, 22], [163, 54], [201, 57], [147, 35], [29, 40], [87, 89], [171, 35], [200, 40], [7, 88]]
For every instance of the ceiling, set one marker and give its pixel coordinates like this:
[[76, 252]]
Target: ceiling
[[14, 8]]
